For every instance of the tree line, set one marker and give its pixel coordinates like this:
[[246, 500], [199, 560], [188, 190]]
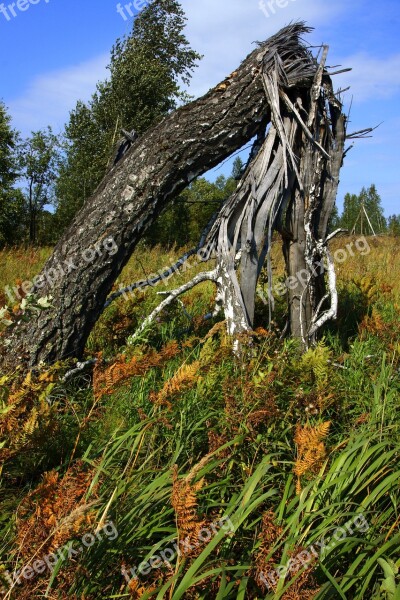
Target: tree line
[[45, 179]]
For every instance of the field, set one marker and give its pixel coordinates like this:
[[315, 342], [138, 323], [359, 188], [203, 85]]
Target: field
[[176, 471]]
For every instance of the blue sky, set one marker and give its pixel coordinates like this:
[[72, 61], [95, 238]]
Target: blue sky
[[53, 53]]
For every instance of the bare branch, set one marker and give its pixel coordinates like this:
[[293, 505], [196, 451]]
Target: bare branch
[[200, 278]]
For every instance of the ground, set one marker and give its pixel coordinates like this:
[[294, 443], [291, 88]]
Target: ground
[[176, 471]]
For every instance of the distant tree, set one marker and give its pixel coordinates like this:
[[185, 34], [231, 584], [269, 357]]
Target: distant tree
[[373, 207], [47, 228], [84, 162], [351, 210], [334, 220], [185, 219], [11, 199], [146, 70], [363, 212], [39, 162], [147, 67], [237, 168], [394, 225]]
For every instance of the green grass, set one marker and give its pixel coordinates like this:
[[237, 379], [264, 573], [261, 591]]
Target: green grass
[[241, 416]]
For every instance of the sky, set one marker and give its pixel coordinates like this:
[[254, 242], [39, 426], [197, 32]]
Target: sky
[[53, 52]]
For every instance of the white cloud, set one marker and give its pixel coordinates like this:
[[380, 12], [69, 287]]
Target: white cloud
[[371, 78], [49, 97], [224, 30]]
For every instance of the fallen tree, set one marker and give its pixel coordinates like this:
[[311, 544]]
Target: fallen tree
[[290, 186]]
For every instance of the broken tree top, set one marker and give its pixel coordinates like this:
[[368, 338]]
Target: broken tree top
[[279, 84]]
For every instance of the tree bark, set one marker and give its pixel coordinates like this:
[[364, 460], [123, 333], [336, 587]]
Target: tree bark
[[156, 168], [321, 158], [293, 179]]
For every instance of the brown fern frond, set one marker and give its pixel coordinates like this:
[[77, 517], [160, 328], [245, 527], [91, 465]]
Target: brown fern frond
[[311, 451], [184, 378], [137, 590], [217, 328], [55, 511], [269, 535], [105, 381], [23, 411], [184, 502]]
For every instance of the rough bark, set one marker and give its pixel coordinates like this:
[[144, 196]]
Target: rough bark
[[287, 177], [291, 187], [308, 213], [156, 168]]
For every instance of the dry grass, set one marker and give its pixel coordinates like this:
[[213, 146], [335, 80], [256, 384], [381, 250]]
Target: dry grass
[[20, 264]]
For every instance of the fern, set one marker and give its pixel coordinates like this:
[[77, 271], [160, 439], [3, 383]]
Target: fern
[[311, 450], [316, 362]]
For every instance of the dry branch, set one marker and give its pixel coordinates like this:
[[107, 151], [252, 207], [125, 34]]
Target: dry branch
[[290, 186], [157, 167]]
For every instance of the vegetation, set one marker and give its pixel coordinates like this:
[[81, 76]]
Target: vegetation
[[174, 468], [144, 85], [147, 69], [11, 200], [363, 213], [39, 159], [171, 434]]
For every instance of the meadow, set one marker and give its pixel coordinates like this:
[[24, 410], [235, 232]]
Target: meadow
[[275, 475]]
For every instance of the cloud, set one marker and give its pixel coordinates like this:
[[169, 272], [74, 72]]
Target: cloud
[[224, 31], [371, 78], [49, 97]]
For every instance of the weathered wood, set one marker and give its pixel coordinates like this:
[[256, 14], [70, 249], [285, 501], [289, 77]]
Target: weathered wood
[[156, 168], [285, 183], [291, 187]]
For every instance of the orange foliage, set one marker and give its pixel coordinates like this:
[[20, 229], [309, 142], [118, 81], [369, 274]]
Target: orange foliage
[[375, 325], [184, 502], [106, 380], [55, 512], [311, 450], [137, 591], [25, 413], [266, 577], [183, 379]]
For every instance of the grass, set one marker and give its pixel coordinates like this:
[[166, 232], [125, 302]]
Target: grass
[[299, 452]]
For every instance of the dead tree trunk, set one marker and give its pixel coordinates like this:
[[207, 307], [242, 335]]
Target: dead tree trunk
[[293, 177], [157, 167], [290, 186]]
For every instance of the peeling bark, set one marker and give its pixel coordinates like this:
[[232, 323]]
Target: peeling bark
[[290, 186], [155, 169]]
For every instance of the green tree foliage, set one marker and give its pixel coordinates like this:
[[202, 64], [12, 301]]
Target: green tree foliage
[[334, 220], [83, 163], [237, 168], [39, 162], [185, 220], [146, 69], [11, 200], [359, 209], [394, 225], [351, 211]]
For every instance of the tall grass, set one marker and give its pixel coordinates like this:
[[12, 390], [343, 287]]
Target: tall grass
[[186, 435]]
